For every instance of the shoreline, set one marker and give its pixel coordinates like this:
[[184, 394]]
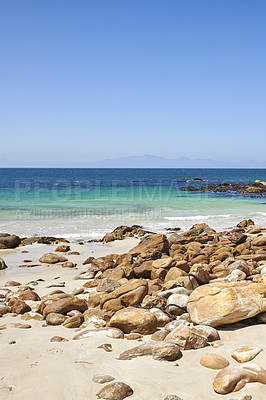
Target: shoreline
[[65, 370]]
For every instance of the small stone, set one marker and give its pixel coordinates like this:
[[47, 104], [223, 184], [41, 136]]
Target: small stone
[[213, 361], [160, 351], [55, 319], [58, 339], [74, 322], [245, 353], [172, 397], [106, 346], [103, 379], [115, 391], [12, 342]]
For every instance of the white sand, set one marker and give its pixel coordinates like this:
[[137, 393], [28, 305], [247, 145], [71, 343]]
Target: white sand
[[35, 368]]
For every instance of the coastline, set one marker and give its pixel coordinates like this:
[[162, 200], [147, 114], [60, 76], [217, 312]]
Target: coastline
[[66, 370]]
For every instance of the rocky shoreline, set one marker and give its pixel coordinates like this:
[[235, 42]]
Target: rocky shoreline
[[256, 189], [169, 295]]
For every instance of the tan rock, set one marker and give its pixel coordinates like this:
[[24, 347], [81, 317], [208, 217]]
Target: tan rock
[[74, 322], [134, 320], [128, 294], [187, 337], [245, 353], [115, 391], [151, 243], [174, 273], [64, 305], [50, 258], [55, 319], [213, 361], [29, 295], [232, 379], [221, 303], [159, 351]]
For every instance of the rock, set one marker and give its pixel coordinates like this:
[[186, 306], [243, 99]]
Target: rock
[[103, 379], [62, 249], [172, 397], [88, 261], [29, 295], [213, 361], [58, 339], [124, 296], [232, 379], [159, 335], [114, 333], [187, 337], [106, 347], [55, 319], [18, 306], [133, 336], [174, 273], [200, 273], [50, 258], [2, 264], [164, 262], [10, 241], [222, 303], [115, 391], [160, 351], [107, 285], [179, 300], [122, 231], [211, 333], [151, 243], [64, 305], [162, 317], [262, 317], [69, 264], [32, 315], [74, 322], [12, 283], [259, 241], [4, 309], [245, 353], [134, 320], [245, 223]]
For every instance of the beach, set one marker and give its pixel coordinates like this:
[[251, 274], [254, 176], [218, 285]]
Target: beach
[[33, 366]]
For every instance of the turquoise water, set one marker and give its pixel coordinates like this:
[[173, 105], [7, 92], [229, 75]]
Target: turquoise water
[[89, 202]]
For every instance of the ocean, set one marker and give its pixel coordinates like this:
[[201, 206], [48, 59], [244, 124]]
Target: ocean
[[85, 203]]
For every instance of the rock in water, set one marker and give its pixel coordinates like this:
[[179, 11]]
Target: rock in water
[[115, 391], [232, 379], [222, 303]]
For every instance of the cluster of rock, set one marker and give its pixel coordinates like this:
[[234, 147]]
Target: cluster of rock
[[258, 188], [176, 289], [123, 231], [8, 241]]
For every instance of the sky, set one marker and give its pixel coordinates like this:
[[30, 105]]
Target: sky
[[84, 80]]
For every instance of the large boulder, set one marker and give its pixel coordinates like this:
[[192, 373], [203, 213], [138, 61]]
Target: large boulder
[[126, 295], [9, 241], [222, 303], [153, 244], [63, 305], [134, 320], [232, 379]]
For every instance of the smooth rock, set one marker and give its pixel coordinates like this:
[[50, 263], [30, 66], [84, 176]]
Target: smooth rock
[[134, 320], [245, 353], [222, 303], [160, 351], [213, 361], [115, 391]]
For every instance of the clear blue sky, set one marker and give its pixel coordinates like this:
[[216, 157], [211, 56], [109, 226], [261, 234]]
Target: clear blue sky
[[87, 80]]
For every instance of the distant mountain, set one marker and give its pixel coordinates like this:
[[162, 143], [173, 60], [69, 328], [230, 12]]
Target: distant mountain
[[145, 161], [149, 161]]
